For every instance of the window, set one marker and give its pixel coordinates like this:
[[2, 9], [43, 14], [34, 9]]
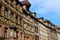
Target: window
[[36, 37], [27, 38], [24, 7], [5, 34], [14, 34], [0, 25], [0, 8], [11, 16], [17, 6], [49, 25], [20, 21], [11, 33], [36, 29], [6, 13], [17, 19], [0, 11], [33, 29], [25, 25], [20, 36], [12, 2]]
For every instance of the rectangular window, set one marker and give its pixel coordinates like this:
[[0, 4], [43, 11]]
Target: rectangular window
[[11, 33], [0, 8], [20, 21], [11, 16], [6, 13], [17, 19], [0, 11], [5, 32], [27, 38], [36, 37], [25, 25], [20, 36], [36, 29], [17, 5], [15, 35]]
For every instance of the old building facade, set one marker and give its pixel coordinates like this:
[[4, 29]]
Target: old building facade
[[15, 20], [52, 33], [18, 23], [58, 31]]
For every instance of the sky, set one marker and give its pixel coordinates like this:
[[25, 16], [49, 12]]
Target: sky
[[48, 9]]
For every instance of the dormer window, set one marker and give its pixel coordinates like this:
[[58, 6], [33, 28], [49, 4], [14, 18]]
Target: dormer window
[[24, 7], [49, 25]]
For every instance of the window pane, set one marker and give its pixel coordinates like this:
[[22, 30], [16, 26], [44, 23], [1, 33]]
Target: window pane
[[15, 34], [0, 8], [11, 16], [11, 33], [16, 18], [6, 12], [21, 21], [5, 34], [20, 36]]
